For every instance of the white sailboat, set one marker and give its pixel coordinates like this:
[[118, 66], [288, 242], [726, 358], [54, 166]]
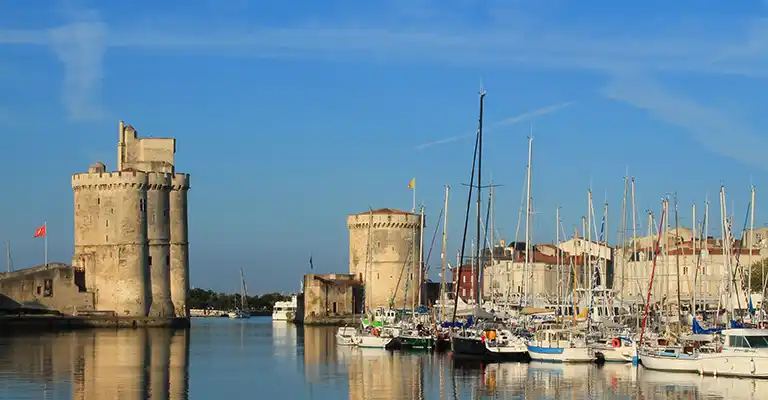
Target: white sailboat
[[241, 311]]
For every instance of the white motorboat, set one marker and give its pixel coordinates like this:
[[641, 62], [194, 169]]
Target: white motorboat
[[744, 354], [560, 345], [238, 314], [285, 310], [347, 336]]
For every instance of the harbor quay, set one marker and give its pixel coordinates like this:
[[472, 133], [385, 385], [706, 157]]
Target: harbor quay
[[130, 262]]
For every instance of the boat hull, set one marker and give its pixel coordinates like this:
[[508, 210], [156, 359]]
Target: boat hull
[[561, 354], [742, 364], [283, 316], [374, 342], [417, 342], [617, 354], [477, 349], [681, 363]]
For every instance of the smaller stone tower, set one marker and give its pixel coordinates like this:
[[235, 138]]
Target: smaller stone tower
[[111, 238], [392, 264], [159, 240], [179, 244]]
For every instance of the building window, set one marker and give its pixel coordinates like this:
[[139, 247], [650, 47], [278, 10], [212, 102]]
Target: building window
[[48, 288], [39, 290], [685, 270], [106, 222], [377, 276], [98, 200], [167, 260], [703, 270], [106, 238], [464, 279], [165, 212], [149, 260]]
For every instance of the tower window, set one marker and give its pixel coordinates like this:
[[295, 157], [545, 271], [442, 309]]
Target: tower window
[[167, 260], [149, 260], [106, 223], [98, 200]]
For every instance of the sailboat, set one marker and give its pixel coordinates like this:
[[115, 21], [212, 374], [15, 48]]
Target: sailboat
[[240, 312], [487, 340]]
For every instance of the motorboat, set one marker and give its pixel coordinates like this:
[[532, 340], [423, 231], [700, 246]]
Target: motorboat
[[744, 354], [347, 336], [285, 310], [489, 342]]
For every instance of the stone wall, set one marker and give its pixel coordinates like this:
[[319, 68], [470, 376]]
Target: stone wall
[[56, 287], [393, 273], [330, 296]]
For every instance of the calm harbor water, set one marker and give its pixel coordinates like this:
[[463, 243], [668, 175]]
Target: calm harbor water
[[220, 358]]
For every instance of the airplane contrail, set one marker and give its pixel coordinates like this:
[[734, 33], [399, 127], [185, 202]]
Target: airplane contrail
[[509, 121]]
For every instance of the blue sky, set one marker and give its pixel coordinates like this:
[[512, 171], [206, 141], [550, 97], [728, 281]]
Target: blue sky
[[290, 115]]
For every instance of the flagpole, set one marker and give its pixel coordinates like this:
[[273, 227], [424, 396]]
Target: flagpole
[[413, 209], [45, 237]]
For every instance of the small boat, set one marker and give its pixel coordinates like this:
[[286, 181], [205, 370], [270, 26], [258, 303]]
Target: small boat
[[347, 336], [377, 338], [238, 314], [417, 338], [239, 311], [489, 342], [560, 345], [676, 358], [285, 310], [617, 349]]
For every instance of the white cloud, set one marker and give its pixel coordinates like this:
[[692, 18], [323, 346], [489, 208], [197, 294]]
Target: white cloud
[[508, 121], [712, 128]]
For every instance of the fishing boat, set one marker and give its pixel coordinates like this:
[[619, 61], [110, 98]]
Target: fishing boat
[[346, 336], [560, 345], [744, 354], [240, 309], [285, 310]]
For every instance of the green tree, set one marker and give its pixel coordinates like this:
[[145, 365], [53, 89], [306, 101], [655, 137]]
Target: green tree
[[206, 298]]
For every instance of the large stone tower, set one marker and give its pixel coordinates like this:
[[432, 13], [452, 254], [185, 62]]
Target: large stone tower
[[111, 238], [127, 226], [392, 262]]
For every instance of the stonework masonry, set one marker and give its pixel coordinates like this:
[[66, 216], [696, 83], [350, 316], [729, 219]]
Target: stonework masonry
[[391, 278], [131, 230]]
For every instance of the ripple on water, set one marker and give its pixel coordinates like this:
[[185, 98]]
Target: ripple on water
[[219, 358]]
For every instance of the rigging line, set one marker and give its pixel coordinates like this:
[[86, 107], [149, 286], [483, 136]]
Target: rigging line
[[466, 218], [431, 246]]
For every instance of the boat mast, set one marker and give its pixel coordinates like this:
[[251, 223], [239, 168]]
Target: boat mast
[[421, 260], [557, 256], [696, 272], [653, 272], [528, 276], [466, 216], [575, 276], [8, 255], [751, 241], [677, 264], [634, 240], [243, 292], [479, 196], [492, 244], [705, 249], [368, 257], [444, 255]]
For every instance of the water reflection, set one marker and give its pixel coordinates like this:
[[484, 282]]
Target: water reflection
[[98, 364]]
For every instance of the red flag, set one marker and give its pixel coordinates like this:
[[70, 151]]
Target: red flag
[[40, 231]]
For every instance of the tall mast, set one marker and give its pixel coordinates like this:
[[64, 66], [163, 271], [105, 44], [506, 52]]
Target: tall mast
[[444, 255], [634, 240], [421, 259], [695, 257], [528, 223], [677, 263], [479, 195], [8, 255], [622, 242], [575, 276], [368, 259], [705, 249], [492, 243], [751, 240], [557, 256]]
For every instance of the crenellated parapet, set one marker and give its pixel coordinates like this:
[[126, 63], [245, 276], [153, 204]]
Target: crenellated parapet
[[122, 180], [180, 182]]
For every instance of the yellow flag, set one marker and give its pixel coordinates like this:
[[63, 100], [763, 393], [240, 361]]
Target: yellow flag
[[412, 184]]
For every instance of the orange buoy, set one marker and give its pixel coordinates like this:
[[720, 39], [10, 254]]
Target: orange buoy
[[616, 343]]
